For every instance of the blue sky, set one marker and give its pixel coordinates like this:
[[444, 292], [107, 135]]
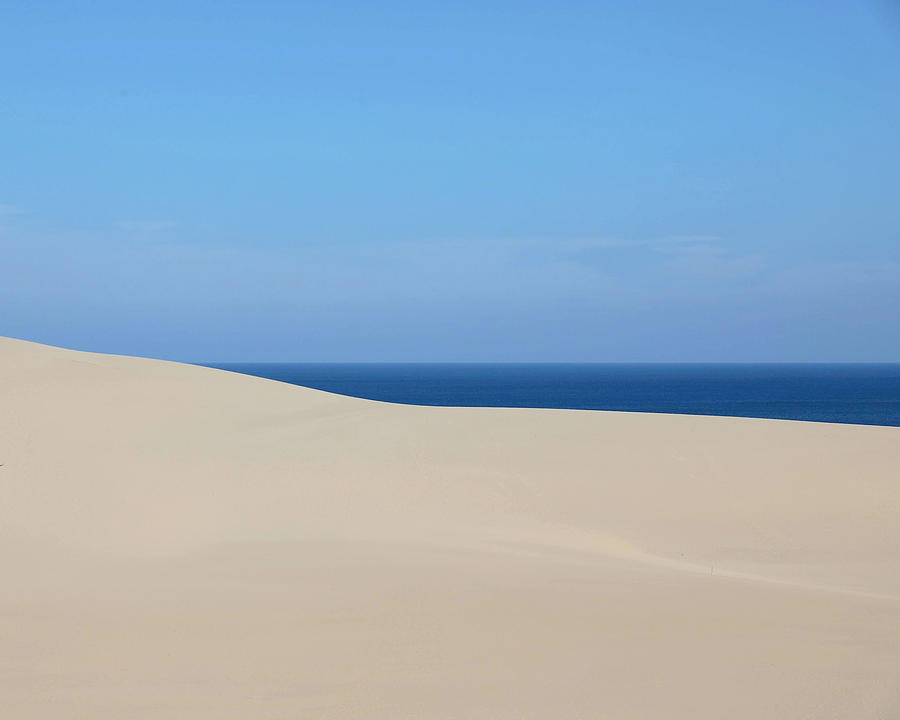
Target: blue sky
[[496, 181]]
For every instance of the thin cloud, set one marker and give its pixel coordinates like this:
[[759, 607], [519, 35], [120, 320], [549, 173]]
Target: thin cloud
[[146, 226], [661, 243]]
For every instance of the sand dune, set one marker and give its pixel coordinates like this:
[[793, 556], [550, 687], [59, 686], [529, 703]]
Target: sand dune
[[181, 542]]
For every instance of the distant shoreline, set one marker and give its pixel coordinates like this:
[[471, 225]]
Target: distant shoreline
[[847, 393]]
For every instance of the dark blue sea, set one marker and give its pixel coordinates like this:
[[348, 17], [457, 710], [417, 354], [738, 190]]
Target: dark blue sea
[[867, 394]]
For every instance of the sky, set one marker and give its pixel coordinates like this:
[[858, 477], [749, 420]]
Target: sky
[[456, 181]]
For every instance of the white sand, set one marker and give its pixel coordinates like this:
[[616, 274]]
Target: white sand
[[179, 542]]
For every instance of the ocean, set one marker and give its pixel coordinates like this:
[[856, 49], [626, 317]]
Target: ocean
[[867, 394]]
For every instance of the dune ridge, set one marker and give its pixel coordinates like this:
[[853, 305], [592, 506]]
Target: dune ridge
[[183, 542]]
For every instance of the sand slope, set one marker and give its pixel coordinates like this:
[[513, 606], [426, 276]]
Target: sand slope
[[180, 542]]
